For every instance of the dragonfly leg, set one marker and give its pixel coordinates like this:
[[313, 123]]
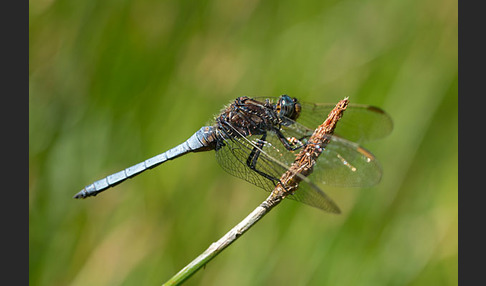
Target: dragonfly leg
[[287, 143], [253, 158], [252, 161]]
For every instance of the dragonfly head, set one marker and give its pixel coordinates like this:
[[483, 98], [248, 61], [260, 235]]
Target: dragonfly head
[[288, 107]]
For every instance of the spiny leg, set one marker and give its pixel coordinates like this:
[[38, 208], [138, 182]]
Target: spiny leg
[[286, 142], [253, 158]]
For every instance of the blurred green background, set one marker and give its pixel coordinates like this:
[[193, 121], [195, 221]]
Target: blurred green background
[[113, 83]]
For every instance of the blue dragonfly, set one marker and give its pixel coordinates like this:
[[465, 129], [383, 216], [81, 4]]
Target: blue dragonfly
[[257, 139]]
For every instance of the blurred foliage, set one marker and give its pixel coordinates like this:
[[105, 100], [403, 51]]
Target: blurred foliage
[[113, 83]]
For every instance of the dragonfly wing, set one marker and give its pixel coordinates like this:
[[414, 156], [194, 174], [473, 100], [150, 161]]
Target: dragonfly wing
[[310, 194], [359, 123], [273, 160], [346, 164], [233, 156]]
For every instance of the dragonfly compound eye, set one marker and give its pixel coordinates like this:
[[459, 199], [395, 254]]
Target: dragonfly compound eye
[[288, 107]]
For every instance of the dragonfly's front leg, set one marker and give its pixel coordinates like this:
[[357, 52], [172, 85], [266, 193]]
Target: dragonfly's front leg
[[289, 144]]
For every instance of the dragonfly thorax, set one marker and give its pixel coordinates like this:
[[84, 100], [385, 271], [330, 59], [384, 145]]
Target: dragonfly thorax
[[247, 116]]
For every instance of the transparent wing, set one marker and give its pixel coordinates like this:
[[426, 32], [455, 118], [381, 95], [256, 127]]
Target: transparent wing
[[233, 159], [310, 194], [234, 154], [342, 163], [360, 122], [346, 164]]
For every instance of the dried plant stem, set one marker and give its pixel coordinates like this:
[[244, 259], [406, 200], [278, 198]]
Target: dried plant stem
[[289, 183]]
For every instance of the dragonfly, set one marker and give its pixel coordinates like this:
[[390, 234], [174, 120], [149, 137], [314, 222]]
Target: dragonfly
[[257, 139]]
